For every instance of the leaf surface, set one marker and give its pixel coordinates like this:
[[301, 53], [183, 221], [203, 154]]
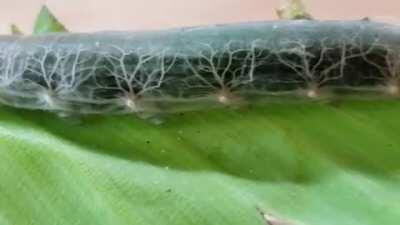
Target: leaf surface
[[307, 163]]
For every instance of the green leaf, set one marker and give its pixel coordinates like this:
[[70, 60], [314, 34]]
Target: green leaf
[[15, 30], [311, 164], [46, 22]]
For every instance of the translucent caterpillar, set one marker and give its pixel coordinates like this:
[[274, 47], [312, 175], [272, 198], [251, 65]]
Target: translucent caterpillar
[[199, 67]]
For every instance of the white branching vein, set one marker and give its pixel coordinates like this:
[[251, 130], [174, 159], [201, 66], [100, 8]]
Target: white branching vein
[[135, 73], [388, 66], [58, 73], [224, 71], [11, 68], [319, 64]]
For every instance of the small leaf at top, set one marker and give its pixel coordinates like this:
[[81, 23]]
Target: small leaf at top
[[293, 10], [46, 22], [15, 30]]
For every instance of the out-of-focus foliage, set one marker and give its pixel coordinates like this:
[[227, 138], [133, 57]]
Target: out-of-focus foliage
[[15, 30], [46, 22], [293, 9]]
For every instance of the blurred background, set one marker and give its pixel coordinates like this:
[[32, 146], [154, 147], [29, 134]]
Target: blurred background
[[93, 15]]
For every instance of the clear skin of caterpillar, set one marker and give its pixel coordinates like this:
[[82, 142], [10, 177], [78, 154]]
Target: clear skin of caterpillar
[[199, 67]]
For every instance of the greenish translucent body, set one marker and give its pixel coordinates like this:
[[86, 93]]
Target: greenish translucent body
[[199, 67]]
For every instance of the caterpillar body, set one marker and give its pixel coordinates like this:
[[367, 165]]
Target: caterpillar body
[[197, 67]]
